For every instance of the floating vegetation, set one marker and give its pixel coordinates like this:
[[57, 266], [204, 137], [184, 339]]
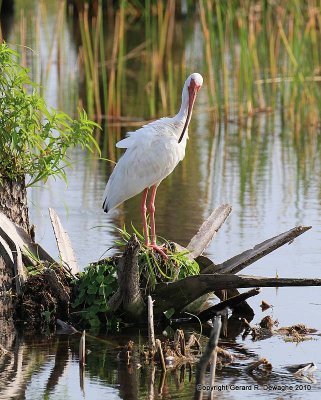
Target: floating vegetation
[[267, 328]]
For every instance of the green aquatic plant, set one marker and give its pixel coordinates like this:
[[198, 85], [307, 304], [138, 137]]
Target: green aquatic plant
[[95, 286], [98, 282]]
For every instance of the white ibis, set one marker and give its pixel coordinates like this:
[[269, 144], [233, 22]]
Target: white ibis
[[152, 153]]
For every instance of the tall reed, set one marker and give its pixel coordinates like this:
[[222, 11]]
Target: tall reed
[[262, 56]]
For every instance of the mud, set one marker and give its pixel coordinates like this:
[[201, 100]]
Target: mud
[[39, 305]]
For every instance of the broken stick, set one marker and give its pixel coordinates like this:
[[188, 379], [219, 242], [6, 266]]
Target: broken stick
[[242, 260], [231, 303], [208, 230]]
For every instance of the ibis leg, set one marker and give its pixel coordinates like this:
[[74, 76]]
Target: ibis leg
[[152, 214], [158, 249], [143, 210]]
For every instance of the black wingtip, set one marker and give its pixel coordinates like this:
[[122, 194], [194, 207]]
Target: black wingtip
[[105, 207]]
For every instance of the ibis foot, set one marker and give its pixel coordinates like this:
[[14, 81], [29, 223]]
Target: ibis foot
[[159, 249]]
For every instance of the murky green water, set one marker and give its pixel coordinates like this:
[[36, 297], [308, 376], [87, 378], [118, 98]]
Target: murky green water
[[272, 179]]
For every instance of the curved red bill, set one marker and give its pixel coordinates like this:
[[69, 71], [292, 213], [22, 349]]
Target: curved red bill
[[192, 92]]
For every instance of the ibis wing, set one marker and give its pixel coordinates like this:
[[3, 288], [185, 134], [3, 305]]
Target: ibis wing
[[127, 142], [146, 162]]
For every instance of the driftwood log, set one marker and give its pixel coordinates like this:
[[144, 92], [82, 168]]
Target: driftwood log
[[181, 293], [213, 277]]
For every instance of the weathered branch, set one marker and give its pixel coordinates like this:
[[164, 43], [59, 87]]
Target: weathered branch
[[66, 252], [231, 303], [242, 260], [19, 273], [184, 291], [208, 230], [31, 251]]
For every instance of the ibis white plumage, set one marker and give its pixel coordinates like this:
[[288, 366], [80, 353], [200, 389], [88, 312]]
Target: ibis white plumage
[[152, 153]]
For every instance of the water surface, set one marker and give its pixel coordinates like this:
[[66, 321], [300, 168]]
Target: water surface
[[272, 179]]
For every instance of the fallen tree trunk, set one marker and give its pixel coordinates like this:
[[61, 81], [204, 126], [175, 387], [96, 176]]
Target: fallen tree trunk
[[179, 294]]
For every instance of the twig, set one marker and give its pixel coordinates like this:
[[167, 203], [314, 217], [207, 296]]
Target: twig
[[230, 303], [151, 333], [161, 355]]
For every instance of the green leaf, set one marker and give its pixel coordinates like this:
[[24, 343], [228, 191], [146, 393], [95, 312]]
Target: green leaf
[[100, 278], [34, 139], [92, 289], [169, 313]]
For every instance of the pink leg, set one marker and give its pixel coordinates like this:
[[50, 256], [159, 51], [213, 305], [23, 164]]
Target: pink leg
[[158, 249], [143, 211]]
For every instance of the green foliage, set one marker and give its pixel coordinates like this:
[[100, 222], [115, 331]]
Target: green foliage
[[33, 139], [99, 281], [95, 286], [153, 268]]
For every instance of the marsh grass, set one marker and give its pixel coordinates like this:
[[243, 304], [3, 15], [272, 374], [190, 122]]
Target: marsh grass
[[257, 57], [263, 55], [152, 267]]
